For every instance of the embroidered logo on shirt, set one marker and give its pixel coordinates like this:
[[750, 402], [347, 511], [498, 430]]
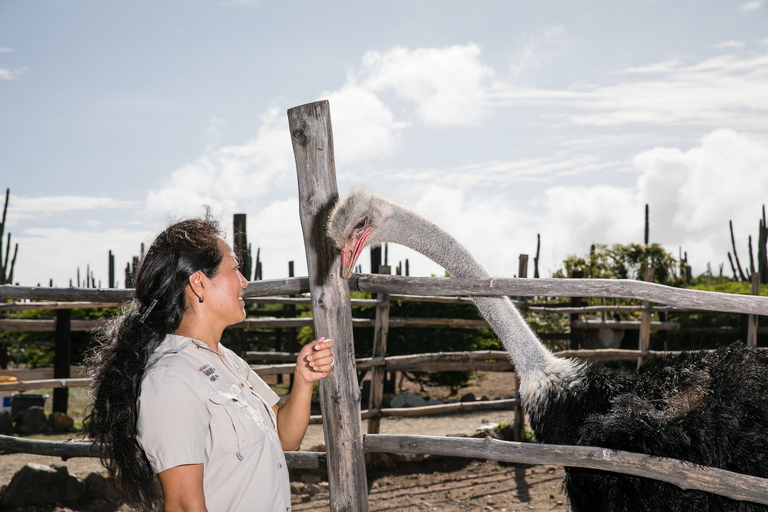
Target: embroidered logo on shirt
[[209, 372]]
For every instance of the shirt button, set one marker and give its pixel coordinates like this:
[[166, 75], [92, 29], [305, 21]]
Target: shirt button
[[279, 465]]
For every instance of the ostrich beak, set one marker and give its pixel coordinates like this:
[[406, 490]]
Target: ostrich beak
[[350, 252]]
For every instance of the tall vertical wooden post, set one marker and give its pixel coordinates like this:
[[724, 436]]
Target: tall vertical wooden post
[[312, 139], [62, 358], [752, 321], [576, 334], [381, 329], [518, 428], [289, 311], [645, 322], [111, 275], [240, 246]]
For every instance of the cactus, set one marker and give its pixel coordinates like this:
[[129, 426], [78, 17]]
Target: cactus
[[762, 256], [6, 269], [762, 250]]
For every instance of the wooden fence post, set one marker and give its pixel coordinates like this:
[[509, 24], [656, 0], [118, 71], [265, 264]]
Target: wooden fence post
[[752, 322], [312, 139], [62, 358], [291, 339], [379, 350], [111, 271], [645, 322], [518, 429], [576, 334]]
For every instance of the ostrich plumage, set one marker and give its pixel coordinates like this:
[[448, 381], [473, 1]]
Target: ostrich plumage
[[707, 408]]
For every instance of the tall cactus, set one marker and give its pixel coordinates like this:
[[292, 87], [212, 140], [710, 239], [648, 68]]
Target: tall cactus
[[132, 267], [6, 269], [762, 250], [762, 255]]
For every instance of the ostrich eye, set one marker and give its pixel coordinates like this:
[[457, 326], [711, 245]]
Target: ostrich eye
[[362, 223]]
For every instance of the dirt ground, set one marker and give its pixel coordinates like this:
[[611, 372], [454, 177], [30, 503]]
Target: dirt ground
[[445, 484]]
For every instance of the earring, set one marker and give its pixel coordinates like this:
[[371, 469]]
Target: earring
[[202, 298]]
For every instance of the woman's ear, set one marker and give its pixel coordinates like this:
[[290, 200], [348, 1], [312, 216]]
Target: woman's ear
[[196, 284]]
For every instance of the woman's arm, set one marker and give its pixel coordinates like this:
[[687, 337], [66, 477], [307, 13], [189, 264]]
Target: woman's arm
[[183, 488], [313, 364]]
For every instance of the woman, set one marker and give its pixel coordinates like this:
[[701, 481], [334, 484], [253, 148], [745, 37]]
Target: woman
[[169, 399]]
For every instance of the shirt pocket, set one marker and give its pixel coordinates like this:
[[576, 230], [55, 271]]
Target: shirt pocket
[[238, 425]]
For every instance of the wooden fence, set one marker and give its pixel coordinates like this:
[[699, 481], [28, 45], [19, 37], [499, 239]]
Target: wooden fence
[[310, 131], [729, 484]]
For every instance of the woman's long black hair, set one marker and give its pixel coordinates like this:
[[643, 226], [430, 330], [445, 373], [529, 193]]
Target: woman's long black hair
[[117, 365]]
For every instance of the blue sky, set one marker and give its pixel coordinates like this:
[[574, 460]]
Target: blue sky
[[497, 119]]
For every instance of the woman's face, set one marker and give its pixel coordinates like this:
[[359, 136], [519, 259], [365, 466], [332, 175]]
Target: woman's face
[[225, 292]]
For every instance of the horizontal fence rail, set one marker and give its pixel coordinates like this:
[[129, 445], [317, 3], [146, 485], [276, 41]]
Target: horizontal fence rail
[[451, 286], [620, 288], [72, 449], [680, 473]]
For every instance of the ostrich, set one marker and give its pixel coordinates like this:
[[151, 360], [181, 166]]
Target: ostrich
[[706, 408]]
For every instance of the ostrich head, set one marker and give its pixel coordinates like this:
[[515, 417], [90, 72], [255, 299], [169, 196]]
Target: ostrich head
[[356, 221]]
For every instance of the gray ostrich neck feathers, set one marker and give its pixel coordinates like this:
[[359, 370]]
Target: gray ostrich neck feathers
[[538, 368]]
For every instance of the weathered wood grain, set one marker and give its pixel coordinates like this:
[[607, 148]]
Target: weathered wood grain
[[682, 474], [621, 288], [312, 139], [380, 333], [71, 449]]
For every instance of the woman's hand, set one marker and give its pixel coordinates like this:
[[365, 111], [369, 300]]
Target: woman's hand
[[314, 363], [315, 360]]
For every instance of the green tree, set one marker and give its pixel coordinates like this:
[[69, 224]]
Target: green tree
[[624, 262]]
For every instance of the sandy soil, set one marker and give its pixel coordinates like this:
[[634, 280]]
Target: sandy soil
[[446, 484]]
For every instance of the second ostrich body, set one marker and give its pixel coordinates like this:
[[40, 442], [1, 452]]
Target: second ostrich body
[[707, 408]]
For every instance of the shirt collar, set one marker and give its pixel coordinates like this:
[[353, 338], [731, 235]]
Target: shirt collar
[[175, 343]]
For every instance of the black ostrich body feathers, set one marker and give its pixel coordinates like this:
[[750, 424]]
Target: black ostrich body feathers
[[707, 408]]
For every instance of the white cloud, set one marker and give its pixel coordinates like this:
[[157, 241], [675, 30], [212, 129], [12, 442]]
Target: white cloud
[[727, 90], [7, 74], [363, 126], [447, 85], [7, 50], [230, 177], [729, 44], [752, 6], [538, 49], [21, 207], [692, 194], [721, 91], [34, 257]]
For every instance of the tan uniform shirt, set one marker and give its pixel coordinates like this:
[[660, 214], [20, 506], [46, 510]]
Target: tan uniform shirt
[[197, 406]]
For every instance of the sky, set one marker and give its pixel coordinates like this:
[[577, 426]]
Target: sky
[[498, 120]]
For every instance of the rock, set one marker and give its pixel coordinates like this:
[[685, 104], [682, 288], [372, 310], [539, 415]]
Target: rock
[[434, 401], [37, 484], [382, 460], [100, 486], [407, 400], [309, 478], [298, 488], [6, 423], [469, 397], [487, 430], [31, 421], [406, 457], [60, 422]]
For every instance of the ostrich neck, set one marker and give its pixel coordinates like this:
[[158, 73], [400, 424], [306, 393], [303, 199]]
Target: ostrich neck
[[406, 228]]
